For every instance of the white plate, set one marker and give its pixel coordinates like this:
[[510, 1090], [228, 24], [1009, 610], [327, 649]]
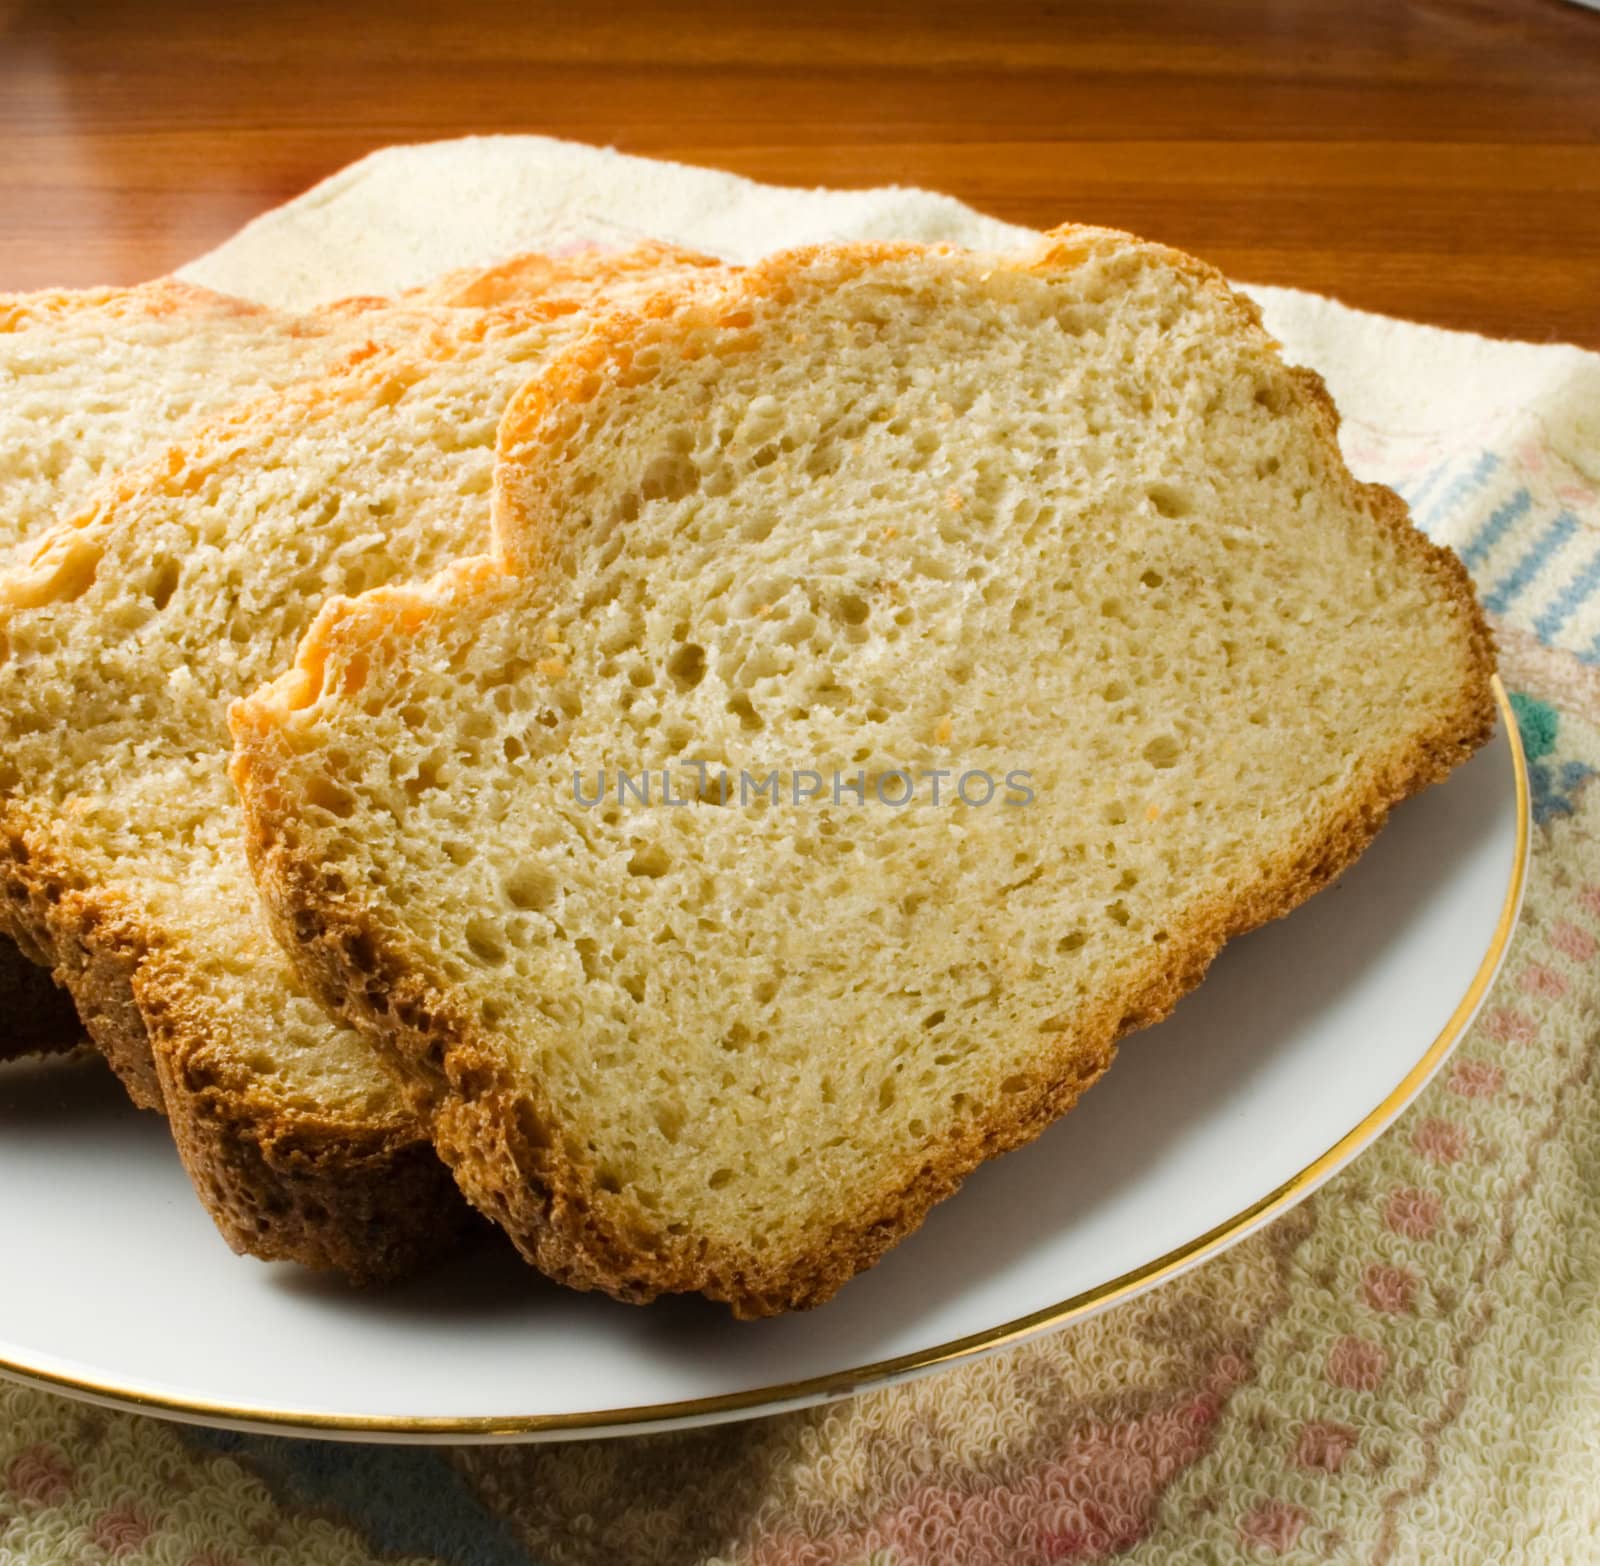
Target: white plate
[[1305, 1041]]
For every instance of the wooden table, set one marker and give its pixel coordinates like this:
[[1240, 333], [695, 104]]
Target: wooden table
[[1433, 158]]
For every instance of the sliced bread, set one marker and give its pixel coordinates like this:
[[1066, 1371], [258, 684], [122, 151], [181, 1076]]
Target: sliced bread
[[1045, 643], [125, 632], [88, 379], [92, 378]]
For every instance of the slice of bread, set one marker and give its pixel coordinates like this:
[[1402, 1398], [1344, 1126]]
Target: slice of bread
[[90, 379], [125, 633], [1058, 532]]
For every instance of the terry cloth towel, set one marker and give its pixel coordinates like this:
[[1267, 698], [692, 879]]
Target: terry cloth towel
[[1404, 1369]]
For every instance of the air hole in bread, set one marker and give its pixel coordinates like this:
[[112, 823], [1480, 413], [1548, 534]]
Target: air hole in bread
[[1170, 501]]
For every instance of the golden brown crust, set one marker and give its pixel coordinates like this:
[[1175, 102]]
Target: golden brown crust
[[525, 277], [501, 1136], [521, 278], [98, 947], [86, 941], [30, 887]]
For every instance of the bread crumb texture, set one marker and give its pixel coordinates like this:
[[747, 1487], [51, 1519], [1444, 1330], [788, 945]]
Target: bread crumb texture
[[91, 379], [870, 509]]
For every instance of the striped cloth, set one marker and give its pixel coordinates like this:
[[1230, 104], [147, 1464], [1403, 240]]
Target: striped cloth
[[1404, 1369]]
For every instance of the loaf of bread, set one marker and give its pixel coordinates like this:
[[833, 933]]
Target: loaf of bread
[[127, 629], [895, 679]]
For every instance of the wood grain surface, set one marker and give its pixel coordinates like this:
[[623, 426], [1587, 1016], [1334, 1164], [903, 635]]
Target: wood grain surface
[[1438, 159]]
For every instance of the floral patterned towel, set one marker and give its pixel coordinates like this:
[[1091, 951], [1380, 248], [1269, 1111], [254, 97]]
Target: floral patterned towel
[[1404, 1369]]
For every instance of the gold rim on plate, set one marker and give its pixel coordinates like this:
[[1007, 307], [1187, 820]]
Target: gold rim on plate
[[841, 1383]]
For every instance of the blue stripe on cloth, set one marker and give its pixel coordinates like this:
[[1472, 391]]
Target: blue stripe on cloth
[[1414, 497], [1567, 602], [402, 1500], [1459, 488], [1495, 528], [1591, 653], [1531, 563]]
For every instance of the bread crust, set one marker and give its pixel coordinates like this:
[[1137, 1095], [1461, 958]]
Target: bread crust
[[282, 1180], [166, 297], [525, 277], [500, 1134], [367, 1199]]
